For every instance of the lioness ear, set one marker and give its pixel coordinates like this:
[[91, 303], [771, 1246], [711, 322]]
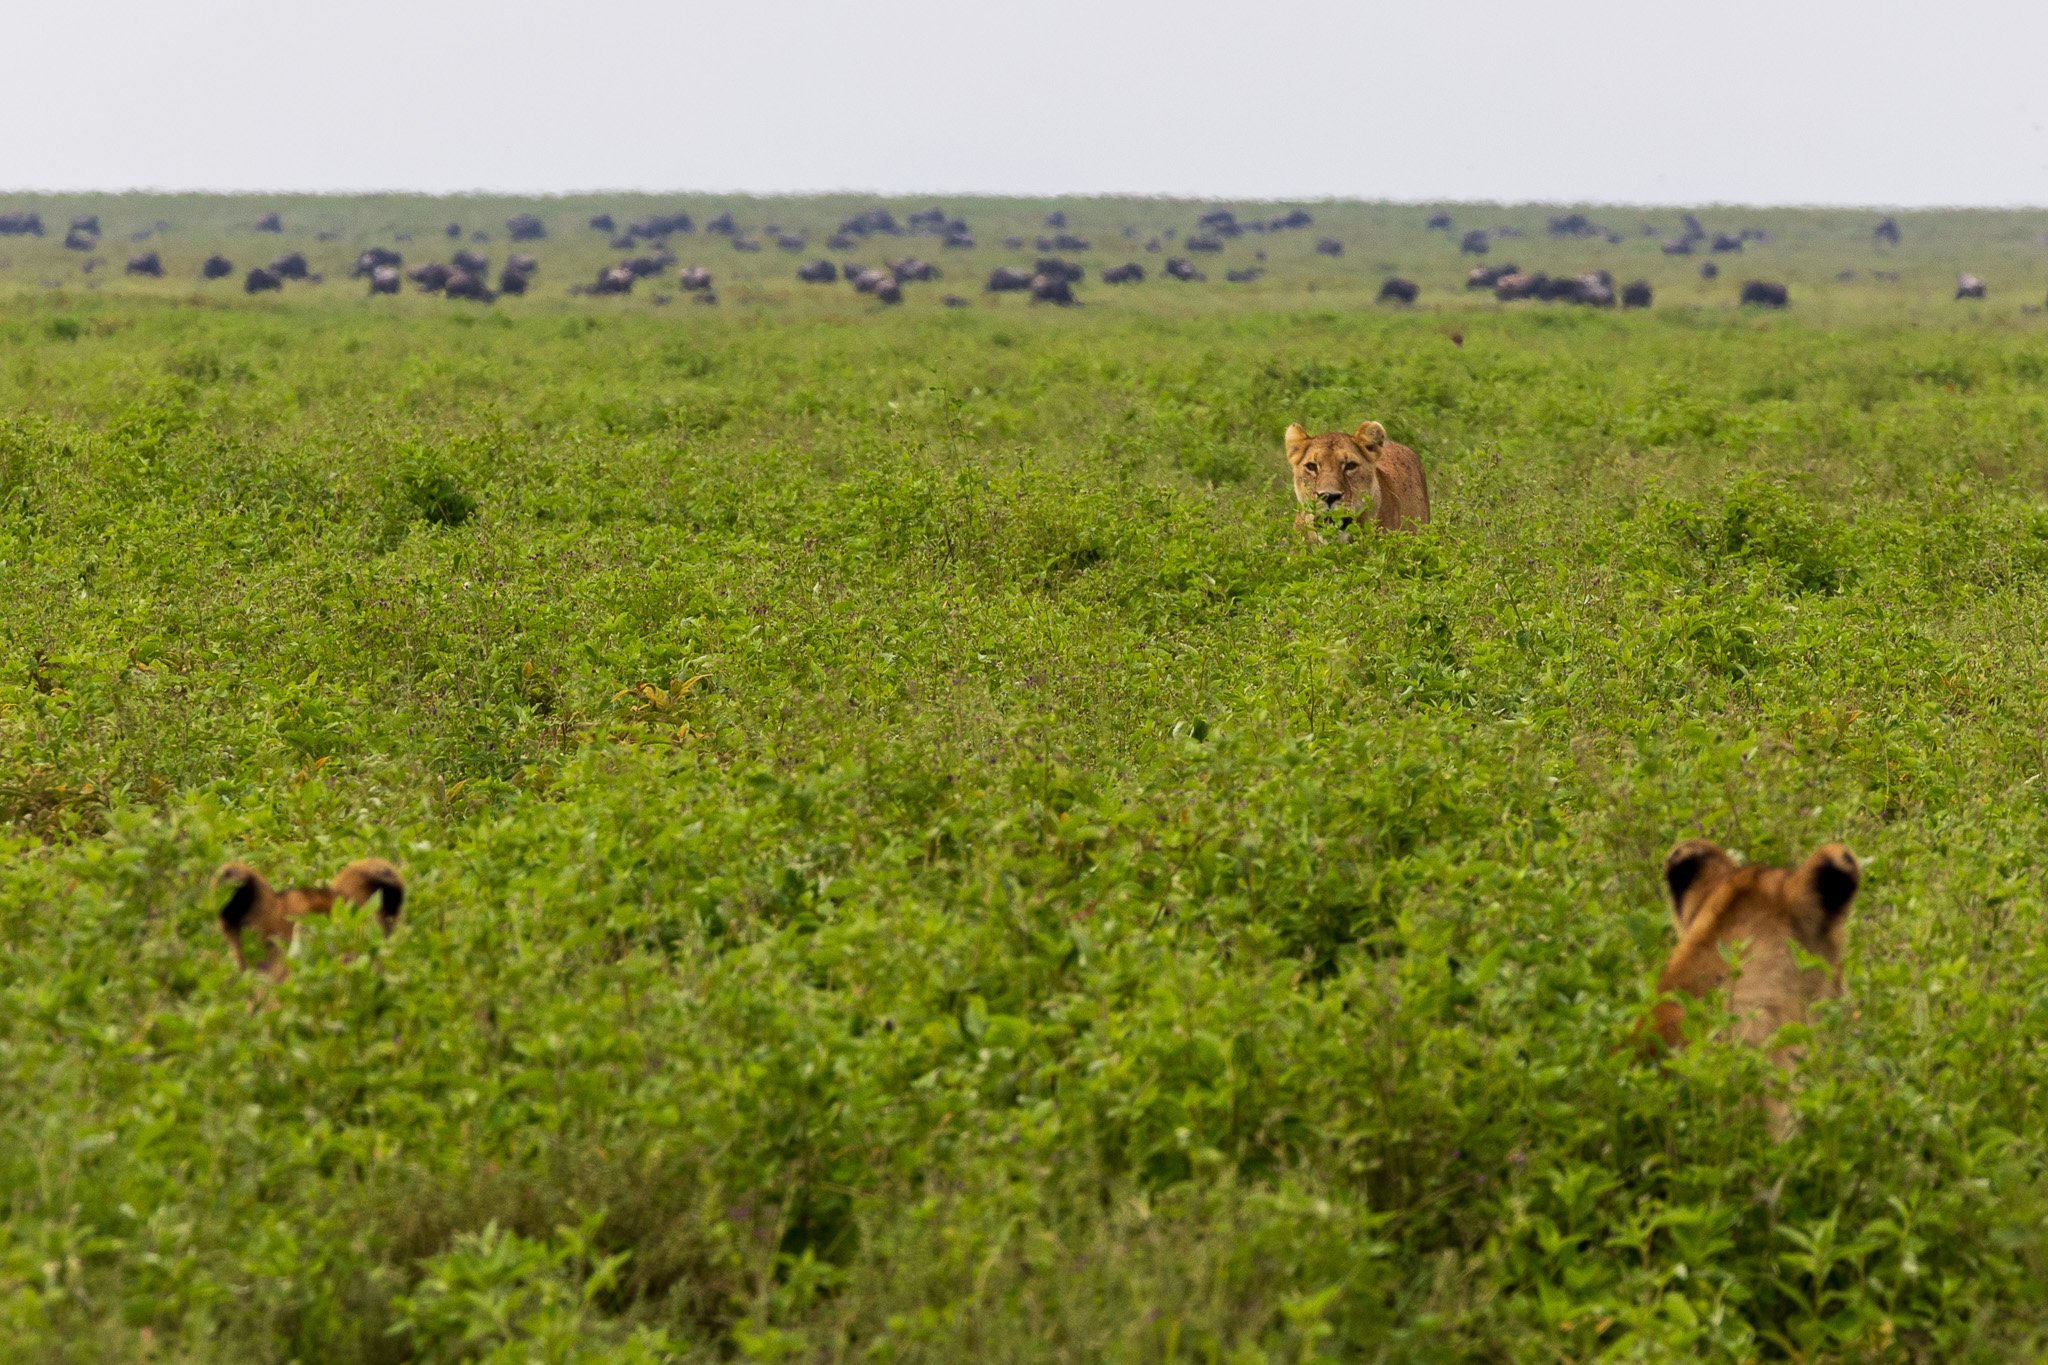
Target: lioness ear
[[1371, 435], [1296, 439], [1694, 864], [1835, 875]]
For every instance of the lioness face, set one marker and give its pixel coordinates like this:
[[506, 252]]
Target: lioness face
[[1334, 473], [1764, 917]]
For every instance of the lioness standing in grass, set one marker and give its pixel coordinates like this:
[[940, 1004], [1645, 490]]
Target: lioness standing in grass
[[1343, 475], [1767, 919]]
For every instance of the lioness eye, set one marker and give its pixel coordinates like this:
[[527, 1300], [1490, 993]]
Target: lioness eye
[[1350, 465], [1309, 467]]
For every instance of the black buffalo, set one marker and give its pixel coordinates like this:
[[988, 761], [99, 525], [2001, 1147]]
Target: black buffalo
[[1203, 242], [693, 278], [1886, 231], [464, 285], [1286, 222], [524, 227], [269, 222], [1008, 279], [1183, 269], [1636, 294], [1244, 276], [1439, 222], [291, 266], [1487, 276], [1056, 289], [1475, 243], [371, 258], [602, 222], [470, 263], [384, 279], [1765, 294], [77, 239], [259, 279], [1329, 246], [1398, 290], [723, 226], [1968, 286], [818, 272], [431, 277], [148, 263], [217, 268], [1129, 273], [21, 224], [910, 269]]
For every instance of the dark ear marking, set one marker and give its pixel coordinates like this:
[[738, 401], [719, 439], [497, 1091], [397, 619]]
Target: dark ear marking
[[1836, 878], [1684, 867], [239, 907]]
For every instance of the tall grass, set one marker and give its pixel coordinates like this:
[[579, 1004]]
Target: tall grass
[[913, 860]]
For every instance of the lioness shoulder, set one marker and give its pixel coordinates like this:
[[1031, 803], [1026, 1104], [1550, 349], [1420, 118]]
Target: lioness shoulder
[[1356, 475]]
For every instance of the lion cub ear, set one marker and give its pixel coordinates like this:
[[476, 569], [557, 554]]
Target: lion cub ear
[[1371, 435], [1690, 870], [1835, 876], [1296, 438]]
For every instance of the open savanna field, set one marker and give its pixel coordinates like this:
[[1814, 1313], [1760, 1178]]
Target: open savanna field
[[912, 859]]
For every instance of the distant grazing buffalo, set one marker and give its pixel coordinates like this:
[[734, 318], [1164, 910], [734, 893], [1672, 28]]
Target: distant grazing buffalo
[[383, 279], [1968, 286], [693, 278], [910, 269], [148, 263], [1220, 223], [259, 279], [868, 222], [615, 279], [432, 277], [1057, 289], [1765, 294], [290, 266], [517, 274], [269, 222], [453, 232], [1056, 219], [1128, 273], [1203, 242], [1710, 271], [1725, 241], [469, 263], [1008, 279], [1439, 222], [961, 240], [1245, 276], [87, 222], [1886, 231], [1678, 246], [1292, 221], [1636, 294], [1183, 269], [745, 244], [790, 241], [722, 226], [602, 222], [818, 272], [78, 239], [1398, 290], [660, 225], [371, 258], [1052, 267], [217, 268], [464, 285], [1487, 276], [524, 227], [1573, 225], [1475, 242], [1329, 246], [21, 224]]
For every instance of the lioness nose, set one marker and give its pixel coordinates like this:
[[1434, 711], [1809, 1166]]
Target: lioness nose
[[1331, 499]]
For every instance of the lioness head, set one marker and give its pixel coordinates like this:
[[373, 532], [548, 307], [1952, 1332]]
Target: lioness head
[[1335, 472], [1758, 916]]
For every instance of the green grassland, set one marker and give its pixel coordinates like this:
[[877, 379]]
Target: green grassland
[[913, 860]]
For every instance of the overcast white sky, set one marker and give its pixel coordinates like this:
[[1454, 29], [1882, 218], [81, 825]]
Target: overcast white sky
[[1752, 101]]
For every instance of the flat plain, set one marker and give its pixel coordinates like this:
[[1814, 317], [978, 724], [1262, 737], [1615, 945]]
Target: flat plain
[[913, 860]]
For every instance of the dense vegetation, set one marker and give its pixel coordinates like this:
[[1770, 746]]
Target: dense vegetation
[[913, 860]]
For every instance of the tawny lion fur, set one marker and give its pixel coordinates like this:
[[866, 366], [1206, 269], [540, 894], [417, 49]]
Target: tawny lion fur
[[1359, 475], [1743, 930], [259, 921]]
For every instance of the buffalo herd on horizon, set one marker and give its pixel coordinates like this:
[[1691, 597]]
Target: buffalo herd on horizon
[[1050, 278]]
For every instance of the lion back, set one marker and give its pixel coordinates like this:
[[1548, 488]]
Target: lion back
[[1404, 493]]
